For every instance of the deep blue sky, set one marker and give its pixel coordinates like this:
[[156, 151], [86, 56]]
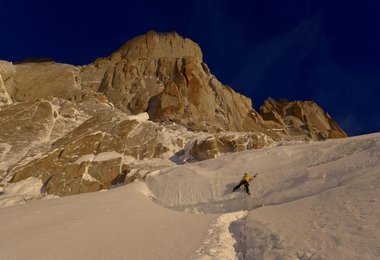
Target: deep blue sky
[[327, 51]]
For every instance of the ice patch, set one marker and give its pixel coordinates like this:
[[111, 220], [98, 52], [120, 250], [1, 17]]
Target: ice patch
[[85, 158], [30, 186], [87, 177], [4, 150], [106, 156], [22, 192], [140, 117]]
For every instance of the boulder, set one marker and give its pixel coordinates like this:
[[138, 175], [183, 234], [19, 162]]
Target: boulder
[[32, 81], [217, 144]]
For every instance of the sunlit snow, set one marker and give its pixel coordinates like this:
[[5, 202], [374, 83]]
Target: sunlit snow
[[318, 200]]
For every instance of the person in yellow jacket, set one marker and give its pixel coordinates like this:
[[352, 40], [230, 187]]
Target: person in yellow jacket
[[245, 181]]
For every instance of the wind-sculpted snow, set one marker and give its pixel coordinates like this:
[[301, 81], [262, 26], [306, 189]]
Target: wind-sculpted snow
[[320, 201], [286, 173], [310, 201]]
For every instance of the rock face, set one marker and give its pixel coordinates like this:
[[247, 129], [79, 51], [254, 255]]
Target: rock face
[[6, 71], [164, 75], [152, 104], [87, 159], [97, 153], [21, 126], [214, 145], [31, 81], [303, 119]]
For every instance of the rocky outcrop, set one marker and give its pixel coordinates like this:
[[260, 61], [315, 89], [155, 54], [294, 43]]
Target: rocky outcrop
[[6, 71], [34, 80], [5, 99], [164, 75], [215, 145], [95, 155], [21, 127], [112, 148], [303, 119]]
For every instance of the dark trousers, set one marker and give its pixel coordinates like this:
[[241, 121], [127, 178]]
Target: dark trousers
[[243, 182]]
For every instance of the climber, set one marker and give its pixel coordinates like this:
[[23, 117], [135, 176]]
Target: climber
[[245, 181]]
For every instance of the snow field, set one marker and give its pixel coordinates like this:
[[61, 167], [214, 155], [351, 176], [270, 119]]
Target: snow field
[[321, 201], [118, 224], [319, 198]]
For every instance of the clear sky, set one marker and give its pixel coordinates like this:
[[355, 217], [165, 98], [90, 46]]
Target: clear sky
[[327, 51]]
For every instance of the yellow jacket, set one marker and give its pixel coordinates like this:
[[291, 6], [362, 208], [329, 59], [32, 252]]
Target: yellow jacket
[[247, 177]]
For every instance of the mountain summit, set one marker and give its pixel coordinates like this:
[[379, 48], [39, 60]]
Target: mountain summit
[[84, 128], [164, 74]]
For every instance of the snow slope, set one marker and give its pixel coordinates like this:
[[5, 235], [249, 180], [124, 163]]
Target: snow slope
[[310, 201], [119, 224]]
